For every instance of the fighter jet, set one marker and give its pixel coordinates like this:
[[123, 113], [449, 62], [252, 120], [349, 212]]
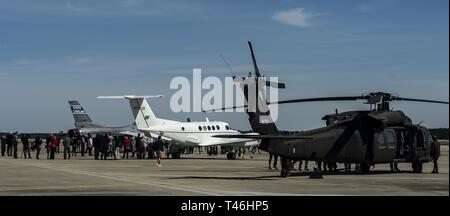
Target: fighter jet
[[85, 125]]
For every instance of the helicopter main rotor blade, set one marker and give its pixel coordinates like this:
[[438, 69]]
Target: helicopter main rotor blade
[[319, 99], [419, 100], [344, 98], [303, 100]]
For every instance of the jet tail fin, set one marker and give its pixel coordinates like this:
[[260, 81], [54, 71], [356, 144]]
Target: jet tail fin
[[80, 115]]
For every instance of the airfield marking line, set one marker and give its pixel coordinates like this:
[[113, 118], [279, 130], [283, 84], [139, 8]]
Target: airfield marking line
[[125, 179], [202, 191]]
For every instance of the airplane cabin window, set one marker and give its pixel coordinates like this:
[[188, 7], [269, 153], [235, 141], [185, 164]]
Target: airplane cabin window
[[200, 128], [213, 127], [217, 126], [209, 128], [204, 128], [227, 127], [182, 128]]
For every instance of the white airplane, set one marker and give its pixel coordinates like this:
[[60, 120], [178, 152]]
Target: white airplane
[[185, 134]]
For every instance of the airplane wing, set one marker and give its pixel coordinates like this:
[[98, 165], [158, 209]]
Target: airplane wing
[[154, 135], [245, 136], [232, 142], [129, 133], [192, 140]]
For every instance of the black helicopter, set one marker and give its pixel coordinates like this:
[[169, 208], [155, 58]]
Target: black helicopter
[[375, 136]]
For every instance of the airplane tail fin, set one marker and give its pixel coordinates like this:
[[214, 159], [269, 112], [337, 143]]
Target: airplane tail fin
[[142, 113], [80, 115]]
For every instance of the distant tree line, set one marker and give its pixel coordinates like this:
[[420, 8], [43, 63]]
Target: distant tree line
[[440, 133]]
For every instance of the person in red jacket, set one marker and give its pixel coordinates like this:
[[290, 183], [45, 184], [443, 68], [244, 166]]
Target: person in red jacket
[[126, 146], [53, 146]]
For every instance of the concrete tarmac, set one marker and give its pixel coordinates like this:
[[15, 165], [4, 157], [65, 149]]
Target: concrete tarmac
[[206, 175]]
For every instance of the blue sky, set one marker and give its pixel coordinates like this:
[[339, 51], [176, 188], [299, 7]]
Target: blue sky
[[53, 51]]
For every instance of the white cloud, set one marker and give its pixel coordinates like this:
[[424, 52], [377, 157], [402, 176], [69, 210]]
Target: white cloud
[[131, 2], [371, 6], [71, 7], [296, 16]]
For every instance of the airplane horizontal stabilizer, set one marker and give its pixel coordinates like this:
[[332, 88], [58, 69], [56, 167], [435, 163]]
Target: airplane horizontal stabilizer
[[130, 97]]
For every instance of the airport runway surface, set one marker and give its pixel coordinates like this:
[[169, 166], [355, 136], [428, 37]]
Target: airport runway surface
[[204, 175]]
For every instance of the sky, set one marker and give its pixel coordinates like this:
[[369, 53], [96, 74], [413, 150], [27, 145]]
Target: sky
[[52, 51]]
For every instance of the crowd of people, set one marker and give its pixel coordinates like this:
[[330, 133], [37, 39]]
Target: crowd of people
[[108, 146], [101, 146]]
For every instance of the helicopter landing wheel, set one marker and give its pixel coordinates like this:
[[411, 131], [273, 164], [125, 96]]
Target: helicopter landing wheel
[[365, 168]]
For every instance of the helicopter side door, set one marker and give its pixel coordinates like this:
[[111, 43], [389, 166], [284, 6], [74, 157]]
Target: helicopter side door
[[385, 142], [423, 147]]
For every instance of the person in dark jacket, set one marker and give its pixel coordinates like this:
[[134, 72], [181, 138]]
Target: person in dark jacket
[[74, 144], [435, 154], [83, 144], [103, 146], [9, 147], [37, 146], [96, 144], [15, 143], [3, 144], [47, 145], [26, 146], [158, 147]]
